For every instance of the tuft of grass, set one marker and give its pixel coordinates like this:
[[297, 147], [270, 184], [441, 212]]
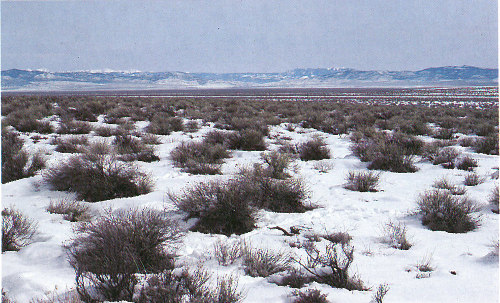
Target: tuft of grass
[[362, 181], [382, 290], [440, 210]]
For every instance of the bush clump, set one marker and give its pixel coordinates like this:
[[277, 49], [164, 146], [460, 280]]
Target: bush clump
[[131, 149], [164, 125], [260, 262], [16, 162], [108, 252], [309, 296], [17, 230], [199, 157], [98, 175], [467, 163], [473, 179], [440, 210], [487, 145], [314, 149], [494, 199], [390, 152], [74, 127], [446, 157], [246, 139], [71, 210], [362, 181], [222, 207]]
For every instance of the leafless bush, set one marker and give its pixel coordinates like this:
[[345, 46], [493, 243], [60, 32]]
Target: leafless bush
[[487, 145], [190, 287], [332, 266], [395, 235], [289, 195], [161, 125], [199, 157], [314, 149], [309, 296], [259, 262], [466, 163], [71, 210], [444, 183], [246, 139], [227, 253], [338, 237], [440, 210], [362, 181], [17, 230], [467, 141], [70, 145], [96, 175], [382, 290], [150, 139], [192, 126], [446, 157], [107, 253], [444, 133], [131, 149], [494, 200], [16, 162], [105, 131], [221, 206], [277, 164], [473, 179], [74, 127], [323, 166], [425, 264]]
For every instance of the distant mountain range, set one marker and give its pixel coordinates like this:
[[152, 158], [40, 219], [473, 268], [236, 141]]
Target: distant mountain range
[[37, 80]]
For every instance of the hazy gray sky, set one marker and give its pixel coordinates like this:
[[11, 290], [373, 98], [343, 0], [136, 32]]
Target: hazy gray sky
[[248, 36]]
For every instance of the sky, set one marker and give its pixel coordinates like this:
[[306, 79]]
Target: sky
[[247, 36]]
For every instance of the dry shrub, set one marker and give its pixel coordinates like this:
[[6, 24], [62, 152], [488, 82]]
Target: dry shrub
[[192, 126], [487, 145], [74, 127], [17, 230], [382, 290], [164, 125], [331, 266], [150, 139], [285, 196], [467, 141], [190, 287], [446, 157], [259, 262], [199, 157], [440, 210], [131, 149], [444, 133], [17, 163], [222, 207], [362, 181], [246, 139], [466, 163], [473, 179], [72, 144], [309, 296], [390, 152], [277, 164], [314, 149], [108, 252], [494, 200], [446, 184], [96, 176], [339, 237], [105, 131], [395, 234], [72, 210], [227, 253]]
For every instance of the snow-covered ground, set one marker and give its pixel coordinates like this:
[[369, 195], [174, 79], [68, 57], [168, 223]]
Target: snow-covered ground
[[42, 266]]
